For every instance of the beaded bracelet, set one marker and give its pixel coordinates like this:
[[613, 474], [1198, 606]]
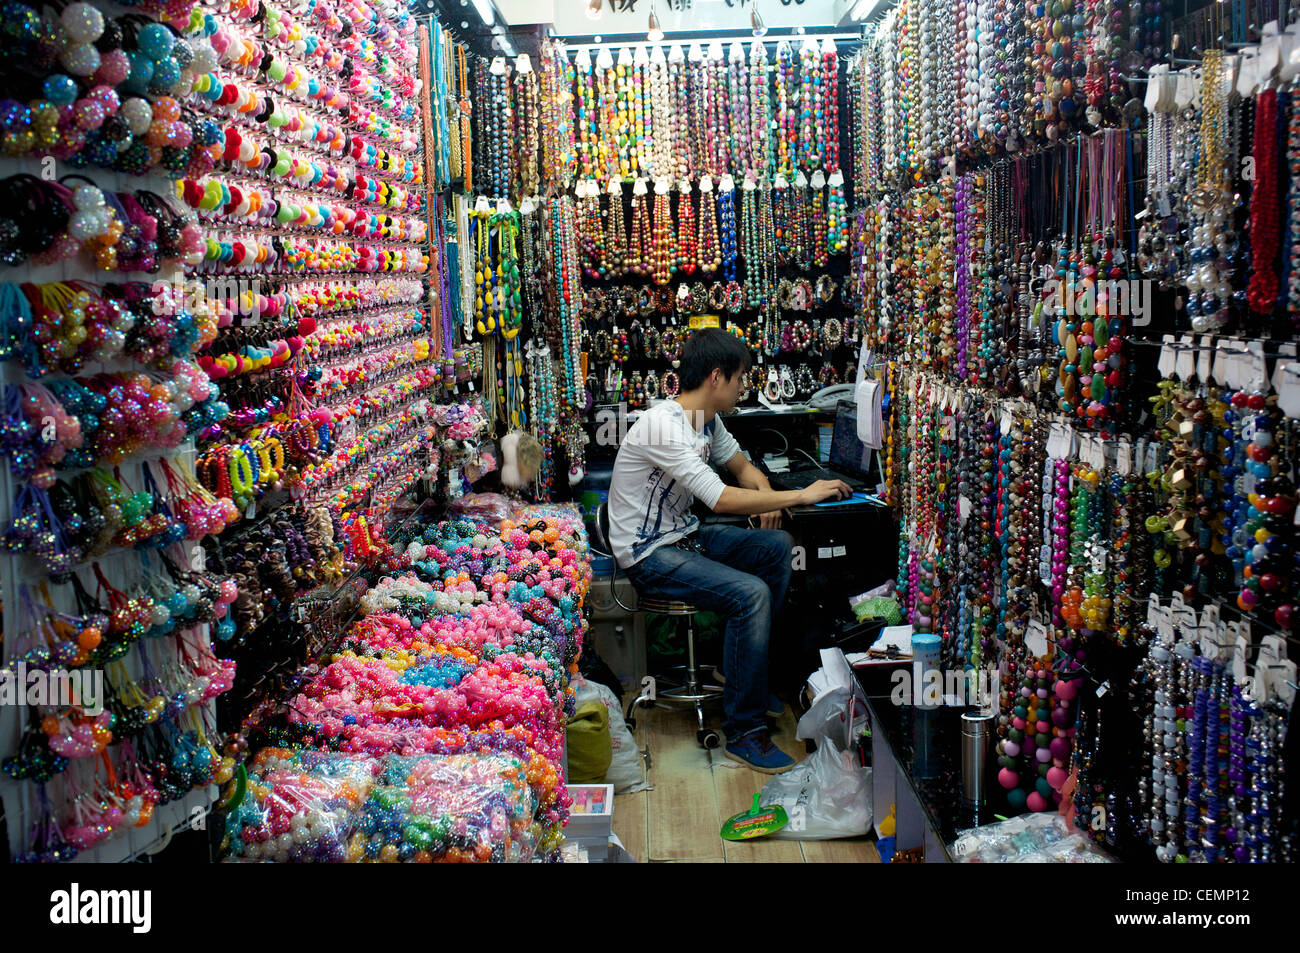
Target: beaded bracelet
[[670, 384], [805, 383], [717, 296]]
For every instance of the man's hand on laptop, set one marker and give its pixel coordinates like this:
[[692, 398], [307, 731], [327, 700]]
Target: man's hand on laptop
[[826, 490]]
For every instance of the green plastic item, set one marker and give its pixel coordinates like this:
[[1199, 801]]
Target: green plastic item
[[756, 822]]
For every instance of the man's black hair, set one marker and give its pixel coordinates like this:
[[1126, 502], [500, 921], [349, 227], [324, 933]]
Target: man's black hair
[[709, 349]]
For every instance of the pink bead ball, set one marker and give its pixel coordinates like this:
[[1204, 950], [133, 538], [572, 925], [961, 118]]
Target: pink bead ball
[[1056, 777], [1036, 802], [1008, 778], [1066, 690]]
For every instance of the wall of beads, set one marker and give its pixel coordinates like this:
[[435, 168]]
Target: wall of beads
[[1096, 484], [108, 727], [700, 181]]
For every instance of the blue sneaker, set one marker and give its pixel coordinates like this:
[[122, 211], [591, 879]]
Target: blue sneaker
[[756, 750], [775, 707]]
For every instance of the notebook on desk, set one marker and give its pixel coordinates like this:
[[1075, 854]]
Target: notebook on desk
[[849, 461]]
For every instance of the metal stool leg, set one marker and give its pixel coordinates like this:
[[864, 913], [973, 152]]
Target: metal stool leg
[[706, 736]]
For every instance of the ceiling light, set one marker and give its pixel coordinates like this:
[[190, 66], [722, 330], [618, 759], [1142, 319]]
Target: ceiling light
[[655, 33], [593, 9], [756, 21], [484, 8]]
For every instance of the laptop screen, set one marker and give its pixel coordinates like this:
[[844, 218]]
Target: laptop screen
[[847, 452]]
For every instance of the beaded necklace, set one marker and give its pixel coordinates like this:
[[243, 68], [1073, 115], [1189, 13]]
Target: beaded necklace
[[681, 136], [818, 223], [697, 97], [787, 133], [525, 133], [663, 252], [637, 259], [709, 254], [615, 260], [738, 89], [830, 85], [687, 241], [760, 163], [727, 227], [663, 164], [812, 134]]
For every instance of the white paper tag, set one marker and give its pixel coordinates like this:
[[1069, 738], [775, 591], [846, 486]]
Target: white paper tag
[[1257, 376], [839, 551], [1036, 638], [1103, 688], [1124, 456], [1203, 358], [818, 180], [1167, 363], [1288, 395], [1284, 352], [825, 552], [1186, 366], [1219, 369], [1153, 610]]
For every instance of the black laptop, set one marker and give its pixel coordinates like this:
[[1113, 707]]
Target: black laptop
[[850, 461]]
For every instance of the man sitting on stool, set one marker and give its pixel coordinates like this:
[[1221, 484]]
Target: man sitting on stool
[[741, 574]]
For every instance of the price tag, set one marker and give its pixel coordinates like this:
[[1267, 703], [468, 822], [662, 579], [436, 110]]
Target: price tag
[[1103, 688], [1124, 456], [1167, 364], [1036, 638], [1288, 395], [1203, 357], [825, 552], [1186, 362], [1165, 625], [839, 551], [1284, 353], [1153, 610], [1257, 376]]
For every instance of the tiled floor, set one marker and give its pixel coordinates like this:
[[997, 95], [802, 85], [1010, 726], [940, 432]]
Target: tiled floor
[[696, 790]]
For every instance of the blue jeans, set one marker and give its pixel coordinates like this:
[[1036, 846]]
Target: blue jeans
[[743, 578]]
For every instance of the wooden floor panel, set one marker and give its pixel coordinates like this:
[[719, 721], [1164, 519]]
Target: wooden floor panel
[[694, 790]]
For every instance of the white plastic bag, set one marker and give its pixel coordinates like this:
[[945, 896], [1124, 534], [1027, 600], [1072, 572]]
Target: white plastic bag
[[826, 795], [626, 770]]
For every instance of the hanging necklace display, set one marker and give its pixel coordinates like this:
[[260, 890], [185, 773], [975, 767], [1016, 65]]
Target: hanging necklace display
[[588, 107], [760, 113], [663, 253], [526, 112], [590, 228], [1209, 293], [727, 226], [738, 96], [663, 155], [818, 223], [615, 258], [496, 181], [787, 111], [719, 111], [687, 238], [709, 254], [637, 259], [811, 138], [800, 223], [696, 98], [676, 83], [782, 220]]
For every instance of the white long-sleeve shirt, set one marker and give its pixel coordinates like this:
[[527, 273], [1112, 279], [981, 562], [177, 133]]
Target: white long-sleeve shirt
[[663, 464]]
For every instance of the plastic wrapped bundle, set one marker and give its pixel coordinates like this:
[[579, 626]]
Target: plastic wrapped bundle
[[299, 806], [447, 808]]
